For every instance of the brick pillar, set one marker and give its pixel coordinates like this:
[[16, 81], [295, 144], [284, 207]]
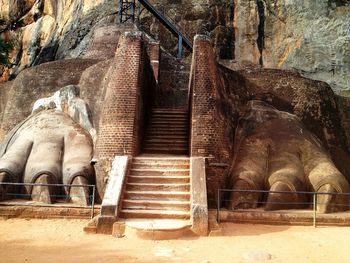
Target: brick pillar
[[208, 128], [210, 136], [119, 116]]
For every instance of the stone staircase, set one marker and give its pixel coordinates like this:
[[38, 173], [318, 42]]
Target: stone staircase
[[157, 187], [167, 132], [157, 198]]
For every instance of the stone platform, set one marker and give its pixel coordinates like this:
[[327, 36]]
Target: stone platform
[[156, 229], [31, 209], [282, 217]]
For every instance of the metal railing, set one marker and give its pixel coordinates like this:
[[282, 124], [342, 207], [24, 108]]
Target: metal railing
[[127, 9], [309, 201], [19, 193]]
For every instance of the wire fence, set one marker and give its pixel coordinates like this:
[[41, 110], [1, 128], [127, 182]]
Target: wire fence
[[61, 193], [310, 202]]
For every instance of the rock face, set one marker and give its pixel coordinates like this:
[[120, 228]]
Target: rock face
[[46, 30], [311, 37]]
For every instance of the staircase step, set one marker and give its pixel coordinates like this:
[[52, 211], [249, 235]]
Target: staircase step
[[162, 214], [163, 160], [177, 120], [159, 179], [156, 205], [167, 130], [157, 187], [166, 127], [167, 137], [183, 146], [159, 172], [160, 132], [170, 122], [151, 195], [169, 119], [165, 150], [169, 111], [165, 142], [164, 165]]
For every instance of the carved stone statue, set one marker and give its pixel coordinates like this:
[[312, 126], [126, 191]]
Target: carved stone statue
[[274, 151], [50, 147]]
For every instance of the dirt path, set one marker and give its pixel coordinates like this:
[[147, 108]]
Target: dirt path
[[64, 241]]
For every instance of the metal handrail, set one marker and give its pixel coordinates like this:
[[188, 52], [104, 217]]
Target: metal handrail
[[130, 5], [167, 22], [92, 206], [314, 198]]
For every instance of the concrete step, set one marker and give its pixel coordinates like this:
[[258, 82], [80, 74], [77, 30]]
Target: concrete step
[[157, 229], [159, 172], [169, 111], [168, 122], [157, 187], [166, 138], [165, 145], [165, 150], [176, 120], [151, 195], [167, 130], [159, 179], [167, 127], [156, 205], [151, 165], [176, 144], [159, 214], [160, 132], [162, 159]]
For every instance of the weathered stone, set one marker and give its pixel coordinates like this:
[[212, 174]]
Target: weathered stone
[[199, 209], [48, 147]]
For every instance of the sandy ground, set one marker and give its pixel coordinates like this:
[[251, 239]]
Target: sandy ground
[[64, 241]]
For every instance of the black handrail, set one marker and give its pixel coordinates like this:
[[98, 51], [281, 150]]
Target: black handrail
[[167, 23]]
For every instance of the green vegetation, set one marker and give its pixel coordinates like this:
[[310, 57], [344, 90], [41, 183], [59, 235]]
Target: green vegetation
[[5, 47]]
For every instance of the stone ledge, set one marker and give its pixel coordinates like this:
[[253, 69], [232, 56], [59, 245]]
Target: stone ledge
[[283, 217], [46, 212]]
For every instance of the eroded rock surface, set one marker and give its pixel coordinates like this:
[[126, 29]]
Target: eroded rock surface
[[46, 30]]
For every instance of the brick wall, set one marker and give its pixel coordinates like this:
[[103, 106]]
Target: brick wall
[[210, 129], [128, 96]]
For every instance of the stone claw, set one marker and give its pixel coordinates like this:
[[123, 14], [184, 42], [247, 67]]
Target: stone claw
[[44, 193], [281, 201], [4, 189], [243, 200], [80, 195], [330, 203]]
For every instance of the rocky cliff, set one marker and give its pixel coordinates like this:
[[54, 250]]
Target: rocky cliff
[[312, 37], [46, 30]]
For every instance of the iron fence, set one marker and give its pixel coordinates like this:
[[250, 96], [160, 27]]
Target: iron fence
[[309, 201], [58, 194]]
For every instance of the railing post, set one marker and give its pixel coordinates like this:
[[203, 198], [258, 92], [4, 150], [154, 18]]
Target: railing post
[[120, 11], [133, 11], [93, 202], [180, 47], [218, 208], [314, 208]]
